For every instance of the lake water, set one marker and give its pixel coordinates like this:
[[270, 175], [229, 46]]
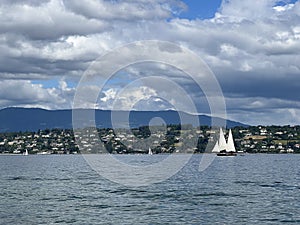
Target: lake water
[[63, 189]]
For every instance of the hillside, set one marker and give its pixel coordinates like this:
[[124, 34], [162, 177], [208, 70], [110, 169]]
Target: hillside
[[33, 119]]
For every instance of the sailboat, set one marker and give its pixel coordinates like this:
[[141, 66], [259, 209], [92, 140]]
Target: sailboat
[[222, 148], [26, 152], [150, 152]]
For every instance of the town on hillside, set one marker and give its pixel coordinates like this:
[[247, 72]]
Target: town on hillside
[[173, 138]]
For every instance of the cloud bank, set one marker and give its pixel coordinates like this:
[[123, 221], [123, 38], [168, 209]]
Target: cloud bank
[[253, 47]]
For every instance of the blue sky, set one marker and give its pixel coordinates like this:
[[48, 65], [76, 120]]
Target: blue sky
[[252, 47], [206, 9], [201, 9]]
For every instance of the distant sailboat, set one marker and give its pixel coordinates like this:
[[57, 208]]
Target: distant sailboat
[[26, 152], [150, 152], [222, 148]]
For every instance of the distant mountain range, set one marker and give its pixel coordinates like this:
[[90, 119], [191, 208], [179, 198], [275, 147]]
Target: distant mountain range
[[33, 119]]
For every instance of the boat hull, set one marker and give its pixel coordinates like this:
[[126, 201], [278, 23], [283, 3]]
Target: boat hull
[[227, 154]]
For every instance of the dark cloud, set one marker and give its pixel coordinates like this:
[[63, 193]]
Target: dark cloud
[[24, 2], [253, 47]]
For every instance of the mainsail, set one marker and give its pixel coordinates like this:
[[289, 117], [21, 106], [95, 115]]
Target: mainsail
[[230, 143], [222, 141], [216, 148]]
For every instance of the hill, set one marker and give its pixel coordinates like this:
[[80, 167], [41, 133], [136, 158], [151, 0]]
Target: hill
[[33, 119]]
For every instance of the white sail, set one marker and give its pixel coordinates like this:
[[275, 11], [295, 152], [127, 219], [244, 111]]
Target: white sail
[[150, 152], [230, 143], [222, 141], [216, 148], [26, 152]]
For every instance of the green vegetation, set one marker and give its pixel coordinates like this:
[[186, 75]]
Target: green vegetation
[[173, 138]]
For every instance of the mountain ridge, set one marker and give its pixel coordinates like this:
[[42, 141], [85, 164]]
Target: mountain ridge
[[15, 119]]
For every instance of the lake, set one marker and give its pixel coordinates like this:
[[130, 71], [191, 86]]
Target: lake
[[63, 189]]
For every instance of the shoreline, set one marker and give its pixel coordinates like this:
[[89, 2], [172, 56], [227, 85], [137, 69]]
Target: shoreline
[[239, 154]]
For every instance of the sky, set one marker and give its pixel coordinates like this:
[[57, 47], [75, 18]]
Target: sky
[[252, 47]]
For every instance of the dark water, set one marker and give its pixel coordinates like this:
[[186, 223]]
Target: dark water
[[254, 189]]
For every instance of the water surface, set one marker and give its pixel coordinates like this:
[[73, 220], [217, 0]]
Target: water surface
[[63, 189]]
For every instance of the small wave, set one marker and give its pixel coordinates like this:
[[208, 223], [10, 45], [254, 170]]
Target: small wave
[[246, 182], [279, 185], [290, 221], [17, 178], [218, 194]]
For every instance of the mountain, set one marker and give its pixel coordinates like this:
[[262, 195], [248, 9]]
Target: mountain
[[33, 119]]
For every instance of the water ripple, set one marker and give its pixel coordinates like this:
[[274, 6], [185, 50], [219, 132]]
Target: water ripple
[[254, 189]]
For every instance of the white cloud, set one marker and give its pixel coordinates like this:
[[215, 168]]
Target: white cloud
[[27, 94], [283, 8], [252, 46], [252, 10], [126, 99], [124, 10], [47, 21]]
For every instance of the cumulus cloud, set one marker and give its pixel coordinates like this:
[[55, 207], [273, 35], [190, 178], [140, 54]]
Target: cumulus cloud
[[50, 20], [127, 10], [126, 99], [27, 94], [252, 47]]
